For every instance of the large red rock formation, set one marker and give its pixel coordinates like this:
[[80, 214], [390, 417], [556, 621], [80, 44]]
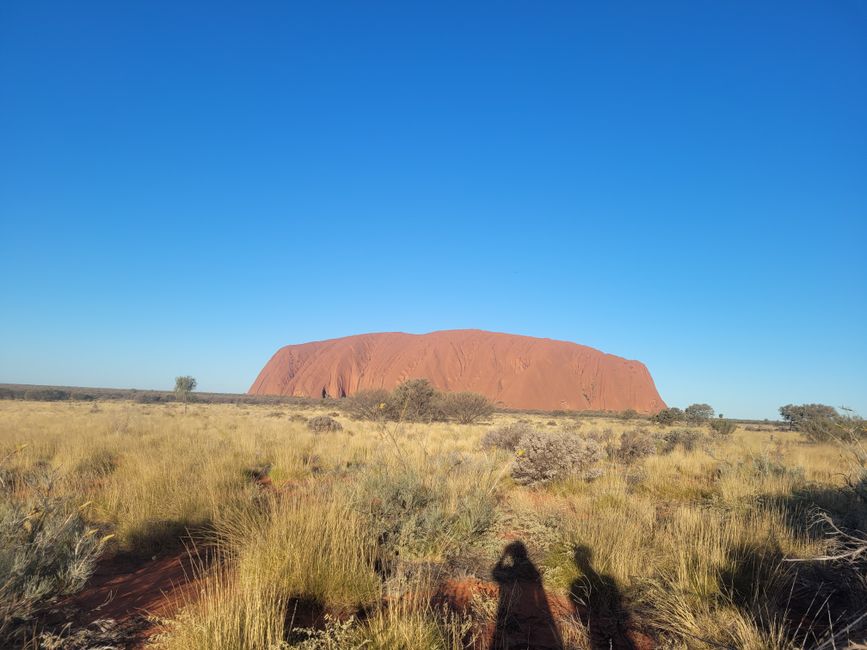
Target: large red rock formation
[[514, 371]]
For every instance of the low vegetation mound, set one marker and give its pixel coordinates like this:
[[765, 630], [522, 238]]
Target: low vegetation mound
[[506, 437], [416, 400], [324, 423], [545, 456], [635, 444], [47, 549]]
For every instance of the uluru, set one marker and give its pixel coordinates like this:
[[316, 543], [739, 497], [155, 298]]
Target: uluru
[[513, 371]]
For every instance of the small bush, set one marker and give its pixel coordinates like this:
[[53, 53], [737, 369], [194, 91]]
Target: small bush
[[414, 514], [605, 439], [506, 437], [686, 439], [698, 413], [770, 463], [635, 445], [466, 407], [667, 417], [369, 405], [324, 423], [628, 414], [416, 400], [722, 427], [46, 551], [546, 456]]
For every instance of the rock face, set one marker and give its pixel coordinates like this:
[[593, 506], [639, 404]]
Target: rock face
[[513, 371]]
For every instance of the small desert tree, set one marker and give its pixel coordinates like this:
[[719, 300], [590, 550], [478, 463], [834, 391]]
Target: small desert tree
[[797, 414], [374, 404], [416, 400], [467, 407], [818, 422], [698, 413], [183, 387], [669, 416]]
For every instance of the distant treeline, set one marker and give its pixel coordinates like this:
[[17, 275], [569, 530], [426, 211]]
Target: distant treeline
[[78, 394]]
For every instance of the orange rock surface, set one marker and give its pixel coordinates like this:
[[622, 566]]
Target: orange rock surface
[[513, 371]]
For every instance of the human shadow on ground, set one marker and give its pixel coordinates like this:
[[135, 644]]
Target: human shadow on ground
[[599, 605], [524, 620]]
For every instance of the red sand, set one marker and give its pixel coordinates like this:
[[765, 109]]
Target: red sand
[[513, 371], [122, 588]]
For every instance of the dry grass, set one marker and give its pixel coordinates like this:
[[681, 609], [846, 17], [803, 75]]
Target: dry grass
[[367, 519]]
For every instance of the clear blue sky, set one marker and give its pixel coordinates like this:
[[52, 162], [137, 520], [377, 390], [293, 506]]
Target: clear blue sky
[[185, 187]]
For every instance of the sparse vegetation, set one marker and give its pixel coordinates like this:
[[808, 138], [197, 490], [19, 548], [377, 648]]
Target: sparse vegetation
[[324, 424], [686, 439], [356, 535], [467, 408], [635, 444], [416, 400], [722, 427], [698, 413], [507, 436], [47, 549], [669, 416], [369, 405], [544, 456]]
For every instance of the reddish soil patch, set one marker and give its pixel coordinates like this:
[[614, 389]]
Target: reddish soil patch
[[129, 590], [528, 617], [122, 587]]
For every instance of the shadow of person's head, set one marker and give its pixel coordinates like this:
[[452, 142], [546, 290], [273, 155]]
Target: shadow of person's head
[[515, 564], [517, 551], [584, 559]]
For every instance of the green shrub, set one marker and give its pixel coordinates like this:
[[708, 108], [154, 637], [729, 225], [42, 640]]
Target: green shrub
[[635, 444], [547, 456], [370, 405], [416, 400], [770, 463], [414, 514], [324, 423], [667, 417], [686, 439], [698, 413], [47, 550], [506, 437], [722, 427], [466, 407], [796, 414]]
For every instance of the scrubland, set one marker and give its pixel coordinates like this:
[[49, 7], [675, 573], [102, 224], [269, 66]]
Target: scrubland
[[403, 535]]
